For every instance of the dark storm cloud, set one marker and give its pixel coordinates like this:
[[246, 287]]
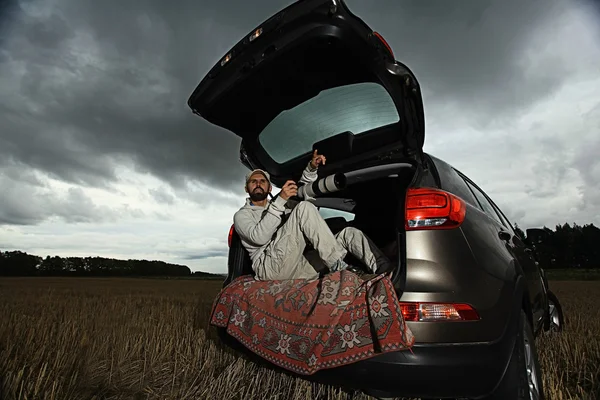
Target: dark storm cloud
[[587, 161], [71, 115], [207, 254], [87, 83], [472, 54], [26, 200], [22, 205], [162, 196]]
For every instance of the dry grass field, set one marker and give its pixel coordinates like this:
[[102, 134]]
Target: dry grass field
[[84, 338]]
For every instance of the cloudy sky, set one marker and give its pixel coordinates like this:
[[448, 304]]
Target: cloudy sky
[[99, 154]]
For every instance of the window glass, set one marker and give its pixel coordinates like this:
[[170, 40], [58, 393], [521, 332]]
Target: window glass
[[330, 212], [504, 219], [356, 108]]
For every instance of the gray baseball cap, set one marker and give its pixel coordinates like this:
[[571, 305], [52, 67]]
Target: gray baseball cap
[[259, 171]]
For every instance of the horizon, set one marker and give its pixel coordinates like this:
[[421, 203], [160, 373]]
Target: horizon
[[42, 257]]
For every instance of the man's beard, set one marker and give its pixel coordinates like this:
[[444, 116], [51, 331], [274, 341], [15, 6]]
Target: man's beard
[[258, 195]]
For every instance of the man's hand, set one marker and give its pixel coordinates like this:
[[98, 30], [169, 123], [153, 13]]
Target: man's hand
[[317, 159], [290, 189]]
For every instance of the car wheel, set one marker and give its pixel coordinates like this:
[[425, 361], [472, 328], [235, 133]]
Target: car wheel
[[522, 379], [556, 319]]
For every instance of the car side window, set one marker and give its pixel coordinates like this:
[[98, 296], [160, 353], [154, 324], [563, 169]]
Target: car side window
[[488, 208], [503, 217]]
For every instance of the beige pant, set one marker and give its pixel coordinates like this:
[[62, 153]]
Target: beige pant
[[284, 259]]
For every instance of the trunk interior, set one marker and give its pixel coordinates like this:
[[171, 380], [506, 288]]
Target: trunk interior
[[377, 206]]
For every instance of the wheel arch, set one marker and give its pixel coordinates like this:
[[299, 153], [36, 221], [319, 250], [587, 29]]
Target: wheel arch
[[520, 301], [521, 293]]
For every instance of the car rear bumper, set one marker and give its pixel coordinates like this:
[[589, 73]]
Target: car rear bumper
[[449, 370], [437, 371], [428, 371], [441, 370]]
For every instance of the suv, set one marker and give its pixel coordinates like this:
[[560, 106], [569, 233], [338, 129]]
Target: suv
[[315, 76]]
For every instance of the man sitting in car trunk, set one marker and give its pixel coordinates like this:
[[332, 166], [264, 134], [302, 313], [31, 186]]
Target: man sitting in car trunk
[[276, 236]]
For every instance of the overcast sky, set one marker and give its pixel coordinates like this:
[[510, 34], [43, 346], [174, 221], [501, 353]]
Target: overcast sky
[[100, 155]]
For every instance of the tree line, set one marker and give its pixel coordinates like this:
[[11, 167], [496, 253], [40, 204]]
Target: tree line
[[18, 263], [567, 246]]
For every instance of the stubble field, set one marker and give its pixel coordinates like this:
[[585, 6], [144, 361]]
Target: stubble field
[[92, 338]]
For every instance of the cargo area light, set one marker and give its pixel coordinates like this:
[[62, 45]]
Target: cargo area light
[[226, 59], [254, 35]]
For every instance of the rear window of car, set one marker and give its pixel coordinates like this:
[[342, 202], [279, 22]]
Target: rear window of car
[[357, 108], [333, 213]]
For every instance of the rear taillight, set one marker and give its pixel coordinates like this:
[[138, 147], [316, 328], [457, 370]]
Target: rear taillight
[[428, 208], [438, 312], [230, 235]]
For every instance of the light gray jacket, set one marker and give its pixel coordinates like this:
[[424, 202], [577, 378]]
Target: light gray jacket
[[257, 225]]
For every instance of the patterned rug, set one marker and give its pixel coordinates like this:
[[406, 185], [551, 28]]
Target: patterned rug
[[305, 326]]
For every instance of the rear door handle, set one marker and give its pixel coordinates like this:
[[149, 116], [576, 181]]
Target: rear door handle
[[504, 235]]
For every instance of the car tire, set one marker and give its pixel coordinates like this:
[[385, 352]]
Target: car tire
[[555, 319], [522, 379]]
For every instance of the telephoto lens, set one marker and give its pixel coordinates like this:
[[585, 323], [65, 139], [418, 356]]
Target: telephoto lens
[[329, 184]]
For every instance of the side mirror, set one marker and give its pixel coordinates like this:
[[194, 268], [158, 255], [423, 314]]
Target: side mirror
[[536, 236]]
